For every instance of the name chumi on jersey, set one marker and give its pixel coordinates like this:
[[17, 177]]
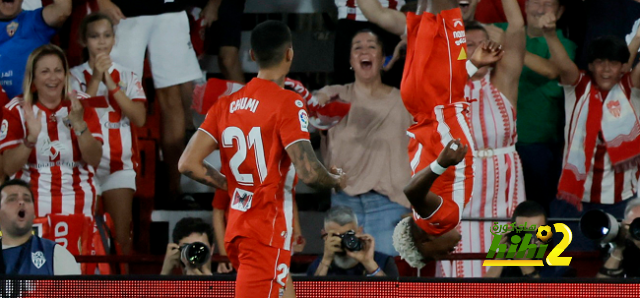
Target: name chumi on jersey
[[244, 103]]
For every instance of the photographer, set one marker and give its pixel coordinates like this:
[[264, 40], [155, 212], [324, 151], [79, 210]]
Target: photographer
[[22, 252], [624, 256], [347, 251], [193, 234]]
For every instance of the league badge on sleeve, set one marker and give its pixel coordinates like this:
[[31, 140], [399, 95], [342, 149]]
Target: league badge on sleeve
[[4, 128], [304, 120], [12, 28]]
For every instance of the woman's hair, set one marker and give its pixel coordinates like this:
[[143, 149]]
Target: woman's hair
[[94, 17], [378, 40], [29, 93]]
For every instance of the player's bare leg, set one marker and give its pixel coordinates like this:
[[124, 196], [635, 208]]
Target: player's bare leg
[[172, 137], [289, 290], [435, 6]]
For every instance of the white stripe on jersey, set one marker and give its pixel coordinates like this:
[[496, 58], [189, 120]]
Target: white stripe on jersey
[[288, 205]]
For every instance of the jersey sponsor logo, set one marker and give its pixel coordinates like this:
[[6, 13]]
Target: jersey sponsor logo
[[4, 128], [12, 28], [458, 34], [241, 200], [299, 103], [457, 22], [304, 120], [51, 149], [117, 125], [244, 103], [38, 259], [463, 54]]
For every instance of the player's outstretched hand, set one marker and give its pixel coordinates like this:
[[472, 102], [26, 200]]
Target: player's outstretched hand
[[453, 154], [488, 53]]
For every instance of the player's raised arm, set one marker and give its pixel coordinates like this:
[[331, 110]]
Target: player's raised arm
[[417, 191], [388, 19], [193, 165], [634, 45], [311, 171]]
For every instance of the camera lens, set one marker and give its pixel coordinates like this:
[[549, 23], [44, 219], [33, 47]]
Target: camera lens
[[195, 254], [634, 229], [599, 225], [351, 242]]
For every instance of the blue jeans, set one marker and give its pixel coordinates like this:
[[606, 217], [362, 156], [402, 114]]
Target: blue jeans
[[560, 208], [377, 214]]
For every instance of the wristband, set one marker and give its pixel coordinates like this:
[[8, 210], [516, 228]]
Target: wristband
[[374, 272], [471, 69], [436, 168], [113, 92], [79, 133]]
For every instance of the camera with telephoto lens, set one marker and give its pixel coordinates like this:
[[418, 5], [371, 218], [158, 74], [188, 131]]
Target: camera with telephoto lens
[[350, 242], [194, 254], [603, 227]]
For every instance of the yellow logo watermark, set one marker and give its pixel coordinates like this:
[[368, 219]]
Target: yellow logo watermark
[[523, 249]]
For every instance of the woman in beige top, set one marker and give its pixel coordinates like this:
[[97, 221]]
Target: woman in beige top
[[370, 144]]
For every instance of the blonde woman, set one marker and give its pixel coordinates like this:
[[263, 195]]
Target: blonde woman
[[50, 139]]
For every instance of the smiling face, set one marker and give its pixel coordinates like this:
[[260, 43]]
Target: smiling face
[[366, 56], [16, 210], [10, 8], [99, 37], [606, 73], [468, 8], [49, 78]]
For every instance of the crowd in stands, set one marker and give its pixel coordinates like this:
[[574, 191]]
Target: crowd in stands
[[554, 115]]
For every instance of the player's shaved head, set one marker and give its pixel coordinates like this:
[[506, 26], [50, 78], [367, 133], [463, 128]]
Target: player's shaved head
[[269, 43]]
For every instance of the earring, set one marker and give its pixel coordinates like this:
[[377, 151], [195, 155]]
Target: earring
[[351, 67]]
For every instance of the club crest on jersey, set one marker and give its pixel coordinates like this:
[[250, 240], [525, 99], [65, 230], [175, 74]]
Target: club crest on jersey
[[12, 28], [613, 106], [304, 120], [299, 103], [38, 259], [241, 200], [4, 128]]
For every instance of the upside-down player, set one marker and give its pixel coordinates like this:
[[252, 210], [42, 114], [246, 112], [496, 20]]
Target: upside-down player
[[433, 92], [261, 131]]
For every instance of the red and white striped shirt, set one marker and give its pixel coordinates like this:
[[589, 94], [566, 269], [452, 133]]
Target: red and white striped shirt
[[603, 185], [348, 9], [61, 181], [120, 149]]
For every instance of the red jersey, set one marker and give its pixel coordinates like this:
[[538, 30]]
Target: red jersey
[[62, 183], [253, 127]]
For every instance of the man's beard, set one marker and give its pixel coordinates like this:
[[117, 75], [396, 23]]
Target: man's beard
[[344, 261]]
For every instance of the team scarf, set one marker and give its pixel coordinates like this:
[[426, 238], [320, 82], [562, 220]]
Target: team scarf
[[614, 120]]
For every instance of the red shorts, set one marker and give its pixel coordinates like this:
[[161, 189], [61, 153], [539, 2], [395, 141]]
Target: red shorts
[[455, 185], [435, 70], [262, 269]]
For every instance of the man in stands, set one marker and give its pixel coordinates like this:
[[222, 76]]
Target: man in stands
[[602, 131], [22, 32], [23, 252], [187, 231], [338, 260], [262, 133]]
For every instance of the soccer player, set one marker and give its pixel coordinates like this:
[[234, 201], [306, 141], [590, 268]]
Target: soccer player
[[262, 133], [433, 92]]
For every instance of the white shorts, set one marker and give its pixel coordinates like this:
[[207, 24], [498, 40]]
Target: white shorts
[[171, 55], [119, 179]]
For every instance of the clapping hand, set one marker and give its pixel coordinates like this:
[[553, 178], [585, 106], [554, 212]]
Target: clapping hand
[[34, 124]]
